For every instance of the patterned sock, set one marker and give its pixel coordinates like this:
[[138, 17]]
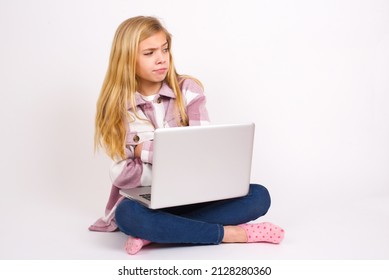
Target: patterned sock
[[263, 232], [133, 244]]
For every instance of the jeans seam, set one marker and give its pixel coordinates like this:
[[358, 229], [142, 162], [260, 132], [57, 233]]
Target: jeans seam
[[219, 237]]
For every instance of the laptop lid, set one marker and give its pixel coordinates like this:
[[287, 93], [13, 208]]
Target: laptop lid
[[201, 163]]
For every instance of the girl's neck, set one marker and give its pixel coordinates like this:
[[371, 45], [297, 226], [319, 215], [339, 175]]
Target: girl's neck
[[149, 88]]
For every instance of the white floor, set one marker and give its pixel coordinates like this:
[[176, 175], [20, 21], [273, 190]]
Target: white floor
[[44, 227]]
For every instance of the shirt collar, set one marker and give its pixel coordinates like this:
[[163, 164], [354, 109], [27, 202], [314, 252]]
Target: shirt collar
[[165, 90]]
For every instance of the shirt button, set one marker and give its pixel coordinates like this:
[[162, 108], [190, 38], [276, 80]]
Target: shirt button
[[159, 100], [136, 138]]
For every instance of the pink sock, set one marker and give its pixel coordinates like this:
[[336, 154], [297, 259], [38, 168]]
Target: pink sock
[[263, 232], [133, 244]]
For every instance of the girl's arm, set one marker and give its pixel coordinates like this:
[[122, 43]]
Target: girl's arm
[[195, 109], [130, 172], [196, 103], [136, 169]]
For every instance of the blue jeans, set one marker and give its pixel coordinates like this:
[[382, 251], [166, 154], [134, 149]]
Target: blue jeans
[[192, 224]]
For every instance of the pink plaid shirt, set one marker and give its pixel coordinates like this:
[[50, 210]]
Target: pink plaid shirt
[[128, 173]]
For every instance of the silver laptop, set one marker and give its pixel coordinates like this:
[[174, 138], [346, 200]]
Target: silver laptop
[[198, 164]]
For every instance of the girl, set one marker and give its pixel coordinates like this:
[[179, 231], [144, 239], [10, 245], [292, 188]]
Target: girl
[[141, 92]]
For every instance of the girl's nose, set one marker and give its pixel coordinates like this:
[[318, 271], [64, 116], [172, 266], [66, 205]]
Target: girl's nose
[[161, 58]]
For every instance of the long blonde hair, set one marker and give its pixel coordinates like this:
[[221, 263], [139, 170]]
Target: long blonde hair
[[120, 85]]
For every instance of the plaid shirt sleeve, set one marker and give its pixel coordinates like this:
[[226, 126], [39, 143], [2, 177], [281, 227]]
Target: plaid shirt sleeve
[[127, 173], [147, 152], [195, 103]]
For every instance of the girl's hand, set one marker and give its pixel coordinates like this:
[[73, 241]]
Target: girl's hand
[[138, 150]]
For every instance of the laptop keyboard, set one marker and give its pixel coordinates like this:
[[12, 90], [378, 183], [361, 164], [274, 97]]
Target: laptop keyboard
[[146, 196]]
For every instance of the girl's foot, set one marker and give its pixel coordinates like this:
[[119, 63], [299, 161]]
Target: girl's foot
[[133, 244], [263, 232]]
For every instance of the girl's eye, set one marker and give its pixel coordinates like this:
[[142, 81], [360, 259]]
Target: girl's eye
[[148, 53], [166, 50]]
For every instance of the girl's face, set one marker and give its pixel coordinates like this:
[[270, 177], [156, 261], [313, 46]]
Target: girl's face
[[152, 62]]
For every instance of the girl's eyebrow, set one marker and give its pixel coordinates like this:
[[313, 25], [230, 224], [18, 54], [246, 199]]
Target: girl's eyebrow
[[153, 49]]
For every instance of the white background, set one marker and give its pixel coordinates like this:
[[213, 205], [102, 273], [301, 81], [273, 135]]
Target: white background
[[312, 75]]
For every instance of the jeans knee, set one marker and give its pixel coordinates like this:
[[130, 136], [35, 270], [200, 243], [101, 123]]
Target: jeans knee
[[125, 214], [262, 198]]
